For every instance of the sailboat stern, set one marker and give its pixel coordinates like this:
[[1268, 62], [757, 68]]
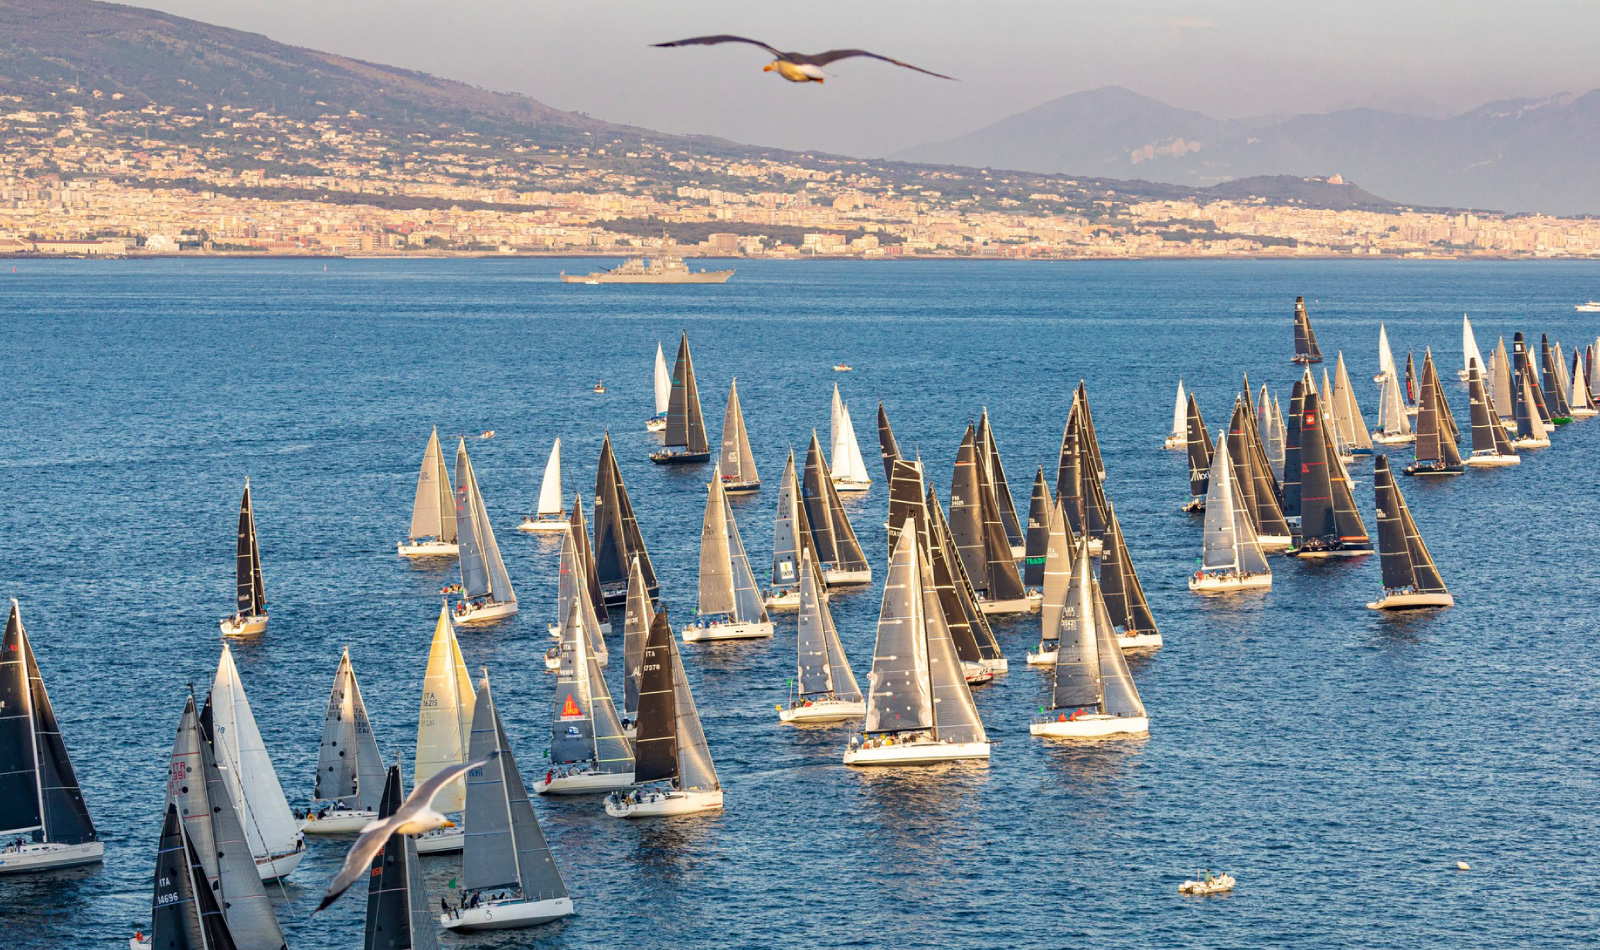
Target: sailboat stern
[[1089, 726], [726, 630]]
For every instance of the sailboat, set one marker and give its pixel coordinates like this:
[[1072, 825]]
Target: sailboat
[[848, 469], [1582, 404], [195, 784], [486, 593], [589, 751], [444, 728], [1470, 356], [1178, 438], [994, 475], [673, 772], [349, 767], [41, 805], [276, 842], [1498, 380], [1531, 432], [1269, 424], [1394, 426], [1436, 451], [1092, 694], [251, 615], [1254, 478], [1330, 525], [1522, 367], [1410, 578], [1077, 482], [888, 448], [1133, 627], [1199, 444], [638, 615], [791, 535], [825, 688], [730, 603], [1037, 543], [398, 916], [663, 393], [1057, 580], [183, 910], [980, 537], [509, 877], [738, 463], [838, 551], [573, 603], [1305, 338], [617, 539], [433, 512], [1231, 557], [1410, 391], [1490, 444], [589, 570], [919, 709], [1550, 388], [550, 516], [1386, 363], [685, 440], [1352, 427]]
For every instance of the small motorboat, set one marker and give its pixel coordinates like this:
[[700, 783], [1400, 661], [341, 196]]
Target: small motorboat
[[842, 367], [600, 386], [487, 434], [1208, 883], [1592, 306]]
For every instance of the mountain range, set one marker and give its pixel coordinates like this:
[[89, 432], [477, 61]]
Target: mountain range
[[1512, 155]]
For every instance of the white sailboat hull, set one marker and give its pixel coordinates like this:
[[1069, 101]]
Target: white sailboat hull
[[550, 523], [50, 854], [586, 781], [1092, 726], [1530, 443], [1492, 461], [467, 614], [741, 488], [1017, 605], [976, 674], [275, 867], [1274, 541], [428, 549], [664, 804], [507, 915], [1221, 583], [441, 840], [1176, 441], [1139, 641], [835, 578], [244, 626], [727, 631], [1044, 658], [788, 600], [1399, 438], [1411, 601], [822, 710], [845, 484], [1577, 413], [341, 821], [924, 752]]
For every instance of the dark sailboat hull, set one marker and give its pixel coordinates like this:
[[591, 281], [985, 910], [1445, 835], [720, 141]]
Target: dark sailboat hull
[[679, 458], [1430, 468]]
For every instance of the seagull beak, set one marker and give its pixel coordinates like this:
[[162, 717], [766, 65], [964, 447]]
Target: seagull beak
[[768, 68]]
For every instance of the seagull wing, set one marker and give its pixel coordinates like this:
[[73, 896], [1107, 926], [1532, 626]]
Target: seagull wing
[[373, 837], [724, 38], [823, 59]]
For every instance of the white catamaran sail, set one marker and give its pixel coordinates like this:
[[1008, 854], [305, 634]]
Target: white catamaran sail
[[551, 514], [433, 511], [848, 469]]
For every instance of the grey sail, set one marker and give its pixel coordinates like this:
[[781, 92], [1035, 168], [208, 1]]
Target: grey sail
[[1427, 447], [955, 716], [1075, 681], [636, 620], [952, 579], [1305, 339], [571, 723], [737, 461], [1259, 491], [1001, 580], [749, 607], [369, 761], [1291, 454], [696, 771], [184, 914], [1089, 442], [1555, 394], [349, 767], [251, 591], [591, 573], [1119, 696], [573, 604], [1230, 536], [1407, 564], [823, 667], [888, 448], [1129, 609], [612, 751], [1038, 533], [617, 539], [686, 427], [996, 477], [966, 513], [907, 499], [488, 571], [398, 916], [836, 544], [1058, 569], [900, 696], [791, 533], [1500, 379], [196, 786], [1328, 515], [716, 561], [909, 508], [1488, 435], [433, 511], [504, 846]]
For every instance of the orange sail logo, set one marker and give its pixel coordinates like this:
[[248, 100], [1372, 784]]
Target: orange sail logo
[[570, 710]]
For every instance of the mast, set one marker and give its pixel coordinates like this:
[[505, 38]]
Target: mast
[[1407, 565], [888, 448], [1038, 537], [686, 427], [398, 916], [506, 847], [251, 592], [483, 573], [444, 719], [738, 462], [636, 621], [550, 488], [246, 768], [433, 511]]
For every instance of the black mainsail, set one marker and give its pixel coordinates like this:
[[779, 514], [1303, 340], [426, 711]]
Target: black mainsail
[[1407, 565], [995, 473], [837, 549], [1037, 541], [1329, 521], [1200, 447], [398, 916], [1119, 582], [888, 448], [251, 592], [617, 540], [1305, 338]]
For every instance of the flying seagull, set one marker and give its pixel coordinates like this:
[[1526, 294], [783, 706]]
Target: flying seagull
[[797, 67], [414, 816]]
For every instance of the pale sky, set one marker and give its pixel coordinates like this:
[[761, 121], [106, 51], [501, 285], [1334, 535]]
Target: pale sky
[[1228, 58]]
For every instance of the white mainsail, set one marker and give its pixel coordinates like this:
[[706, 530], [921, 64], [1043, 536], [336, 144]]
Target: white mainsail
[[1230, 536], [1386, 363], [483, 573], [663, 382], [1348, 412], [444, 723], [1392, 419], [550, 488], [252, 782], [847, 464], [1180, 415], [1469, 348]]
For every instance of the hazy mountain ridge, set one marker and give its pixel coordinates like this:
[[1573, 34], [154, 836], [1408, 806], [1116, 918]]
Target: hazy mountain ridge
[[1516, 154]]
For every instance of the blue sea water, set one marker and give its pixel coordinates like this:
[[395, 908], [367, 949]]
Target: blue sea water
[[1338, 762]]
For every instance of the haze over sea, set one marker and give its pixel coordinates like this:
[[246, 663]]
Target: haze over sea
[[1336, 761]]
